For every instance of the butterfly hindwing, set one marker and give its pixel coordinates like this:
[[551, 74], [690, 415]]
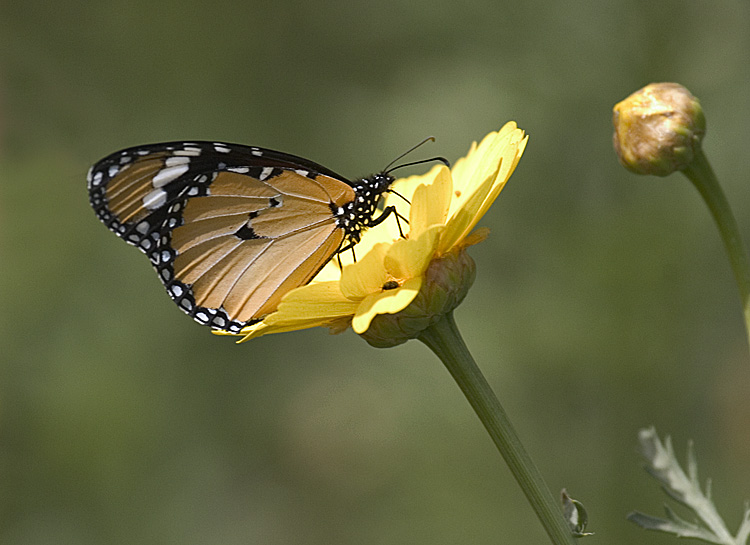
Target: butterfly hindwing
[[230, 229]]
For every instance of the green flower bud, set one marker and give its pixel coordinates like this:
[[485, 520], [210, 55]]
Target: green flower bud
[[658, 129], [446, 283]]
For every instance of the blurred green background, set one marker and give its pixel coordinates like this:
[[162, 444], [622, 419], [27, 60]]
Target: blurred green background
[[604, 302]]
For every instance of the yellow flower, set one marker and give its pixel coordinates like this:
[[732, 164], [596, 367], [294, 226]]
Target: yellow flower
[[390, 271]]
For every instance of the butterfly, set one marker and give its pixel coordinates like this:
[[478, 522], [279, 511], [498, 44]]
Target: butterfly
[[231, 229]]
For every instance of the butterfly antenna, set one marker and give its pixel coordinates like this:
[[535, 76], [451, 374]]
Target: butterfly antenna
[[441, 159], [407, 152]]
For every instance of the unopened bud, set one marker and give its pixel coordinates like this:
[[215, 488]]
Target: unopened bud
[[658, 129]]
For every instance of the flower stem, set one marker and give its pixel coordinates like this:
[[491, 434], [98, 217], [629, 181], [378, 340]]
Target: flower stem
[[444, 339], [702, 175]]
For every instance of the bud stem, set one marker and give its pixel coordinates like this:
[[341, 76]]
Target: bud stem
[[444, 339], [700, 173]]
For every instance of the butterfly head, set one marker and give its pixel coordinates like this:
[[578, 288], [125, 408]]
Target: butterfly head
[[359, 214]]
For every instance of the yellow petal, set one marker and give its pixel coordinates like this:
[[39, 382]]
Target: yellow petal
[[480, 165], [313, 302], [484, 176], [430, 202], [459, 168], [512, 148], [385, 302], [304, 307], [408, 258], [366, 275], [258, 330], [481, 161], [464, 218]]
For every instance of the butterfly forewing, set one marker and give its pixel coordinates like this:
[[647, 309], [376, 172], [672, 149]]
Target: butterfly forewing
[[230, 229]]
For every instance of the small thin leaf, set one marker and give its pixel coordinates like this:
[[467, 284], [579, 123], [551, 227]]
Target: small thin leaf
[[677, 526], [674, 517], [692, 464], [744, 531]]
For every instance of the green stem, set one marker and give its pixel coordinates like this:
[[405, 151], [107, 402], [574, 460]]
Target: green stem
[[702, 175], [444, 339]]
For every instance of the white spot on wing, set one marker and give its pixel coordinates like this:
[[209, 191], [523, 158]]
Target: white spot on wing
[[174, 161], [239, 170], [221, 148], [157, 198], [192, 152], [168, 174]]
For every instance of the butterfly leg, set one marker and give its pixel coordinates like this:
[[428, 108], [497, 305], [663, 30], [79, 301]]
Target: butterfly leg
[[387, 212], [349, 246], [407, 201]]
